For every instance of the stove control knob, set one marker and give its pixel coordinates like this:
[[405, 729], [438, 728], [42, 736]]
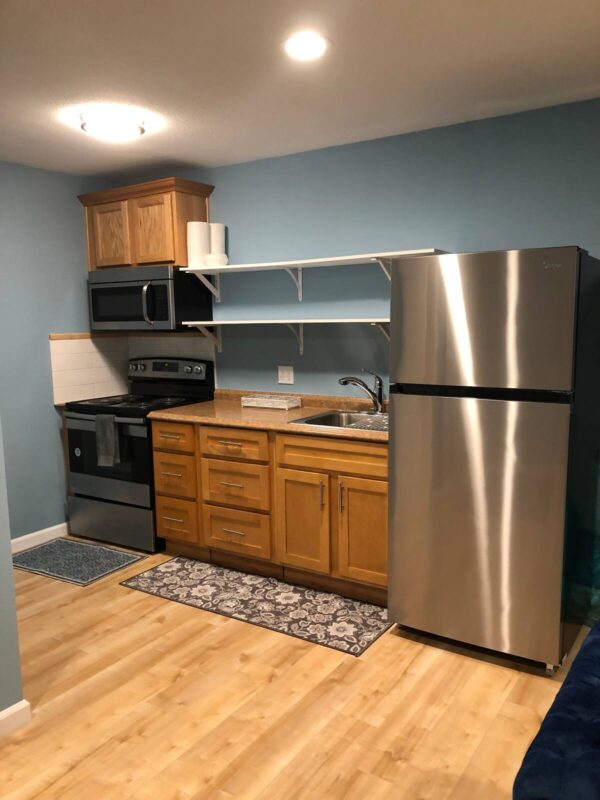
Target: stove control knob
[[132, 367], [141, 367], [187, 369], [197, 370]]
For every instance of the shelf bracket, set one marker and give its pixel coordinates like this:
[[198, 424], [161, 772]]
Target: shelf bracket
[[386, 266], [298, 331], [213, 288], [384, 327], [215, 339], [297, 278]]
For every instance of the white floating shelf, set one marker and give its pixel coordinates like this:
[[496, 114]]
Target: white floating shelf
[[333, 261], [295, 325], [294, 268], [219, 322]]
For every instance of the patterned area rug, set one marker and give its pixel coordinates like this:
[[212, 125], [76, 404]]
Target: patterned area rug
[[318, 617], [74, 562]]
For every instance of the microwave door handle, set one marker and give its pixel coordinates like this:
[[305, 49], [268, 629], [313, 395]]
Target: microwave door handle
[[145, 288]]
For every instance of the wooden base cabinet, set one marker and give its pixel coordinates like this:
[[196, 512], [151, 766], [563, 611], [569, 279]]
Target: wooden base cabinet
[[362, 529], [303, 531], [178, 517], [313, 507], [349, 538]]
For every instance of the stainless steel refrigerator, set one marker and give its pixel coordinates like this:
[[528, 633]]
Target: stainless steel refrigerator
[[494, 401]]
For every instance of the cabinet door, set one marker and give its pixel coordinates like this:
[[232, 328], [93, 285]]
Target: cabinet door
[[303, 519], [109, 226], [152, 221], [363, 529]]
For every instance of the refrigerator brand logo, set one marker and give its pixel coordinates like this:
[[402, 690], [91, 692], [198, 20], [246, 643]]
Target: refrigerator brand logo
[[551, 265]]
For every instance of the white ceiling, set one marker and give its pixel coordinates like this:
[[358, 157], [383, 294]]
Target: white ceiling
[[216, 71]]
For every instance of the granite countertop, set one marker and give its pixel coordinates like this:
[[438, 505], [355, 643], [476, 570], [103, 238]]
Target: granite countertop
[[229, 412]]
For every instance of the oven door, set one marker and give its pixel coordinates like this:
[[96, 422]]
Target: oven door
[[132, 305], [128, 482]]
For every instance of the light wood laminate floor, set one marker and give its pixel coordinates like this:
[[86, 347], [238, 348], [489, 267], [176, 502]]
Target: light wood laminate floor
[[137, 697]]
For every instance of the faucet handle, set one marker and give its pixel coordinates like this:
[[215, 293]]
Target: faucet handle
[[378, 378], [378, 386]]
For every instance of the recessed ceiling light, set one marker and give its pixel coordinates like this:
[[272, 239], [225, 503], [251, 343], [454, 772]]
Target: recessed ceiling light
[[111, 122], [305, 46]]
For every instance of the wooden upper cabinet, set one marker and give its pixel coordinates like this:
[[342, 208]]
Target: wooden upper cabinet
[[143, 224], [108, 225], [152, 226], [363, 529]]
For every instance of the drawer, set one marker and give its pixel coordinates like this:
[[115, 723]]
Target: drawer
[[177, 519], [247, 445], [237, 531], [175, 474], [176, 436], [336, 455], [236, 484]]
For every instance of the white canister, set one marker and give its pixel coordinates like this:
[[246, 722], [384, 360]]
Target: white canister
[[198, 243], [217, 243]]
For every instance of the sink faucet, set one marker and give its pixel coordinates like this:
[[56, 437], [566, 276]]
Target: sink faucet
[[376, 393]]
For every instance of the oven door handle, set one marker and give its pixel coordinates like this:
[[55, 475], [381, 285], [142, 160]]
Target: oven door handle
[[129, 427], [145, 288]]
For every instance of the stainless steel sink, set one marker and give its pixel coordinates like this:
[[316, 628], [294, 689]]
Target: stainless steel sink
[[361, 420]]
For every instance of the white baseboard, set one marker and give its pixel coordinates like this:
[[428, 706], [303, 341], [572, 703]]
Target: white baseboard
[[38, 537], [14, 716]]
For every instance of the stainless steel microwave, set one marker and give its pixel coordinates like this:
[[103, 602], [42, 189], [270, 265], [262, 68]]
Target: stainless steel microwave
[[146, 299]]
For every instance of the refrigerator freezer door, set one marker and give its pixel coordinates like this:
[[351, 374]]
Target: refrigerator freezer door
[[477, 499], [495, 320]]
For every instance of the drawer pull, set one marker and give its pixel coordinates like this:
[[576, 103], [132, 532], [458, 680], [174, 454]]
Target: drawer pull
[[229, 443], [172, 474], [233, 485], [177, 530], [170, 436], [174, 519], [231, 530]]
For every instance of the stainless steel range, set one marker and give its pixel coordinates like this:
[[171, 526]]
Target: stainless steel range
[[111, 495]]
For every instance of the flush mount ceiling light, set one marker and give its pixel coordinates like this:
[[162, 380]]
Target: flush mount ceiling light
[[305, 46], [116, 123]]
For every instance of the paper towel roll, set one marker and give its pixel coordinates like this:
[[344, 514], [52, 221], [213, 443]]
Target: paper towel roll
[[198, 243], [217, 239]]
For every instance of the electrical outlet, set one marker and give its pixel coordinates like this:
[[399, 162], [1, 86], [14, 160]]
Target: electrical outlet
[[285, 374]]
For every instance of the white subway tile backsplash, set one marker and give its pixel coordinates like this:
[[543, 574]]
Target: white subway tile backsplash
[[72, 361], [85, 368], [109, 388]]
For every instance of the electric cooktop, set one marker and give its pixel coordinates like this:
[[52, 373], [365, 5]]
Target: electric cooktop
[[127, 405]]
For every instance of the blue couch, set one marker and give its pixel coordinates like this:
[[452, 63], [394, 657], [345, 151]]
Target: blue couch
[[563, 761]]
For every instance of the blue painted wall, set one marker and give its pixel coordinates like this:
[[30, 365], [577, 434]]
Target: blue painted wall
[[10, 670], [524, 180], [43, 270]]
